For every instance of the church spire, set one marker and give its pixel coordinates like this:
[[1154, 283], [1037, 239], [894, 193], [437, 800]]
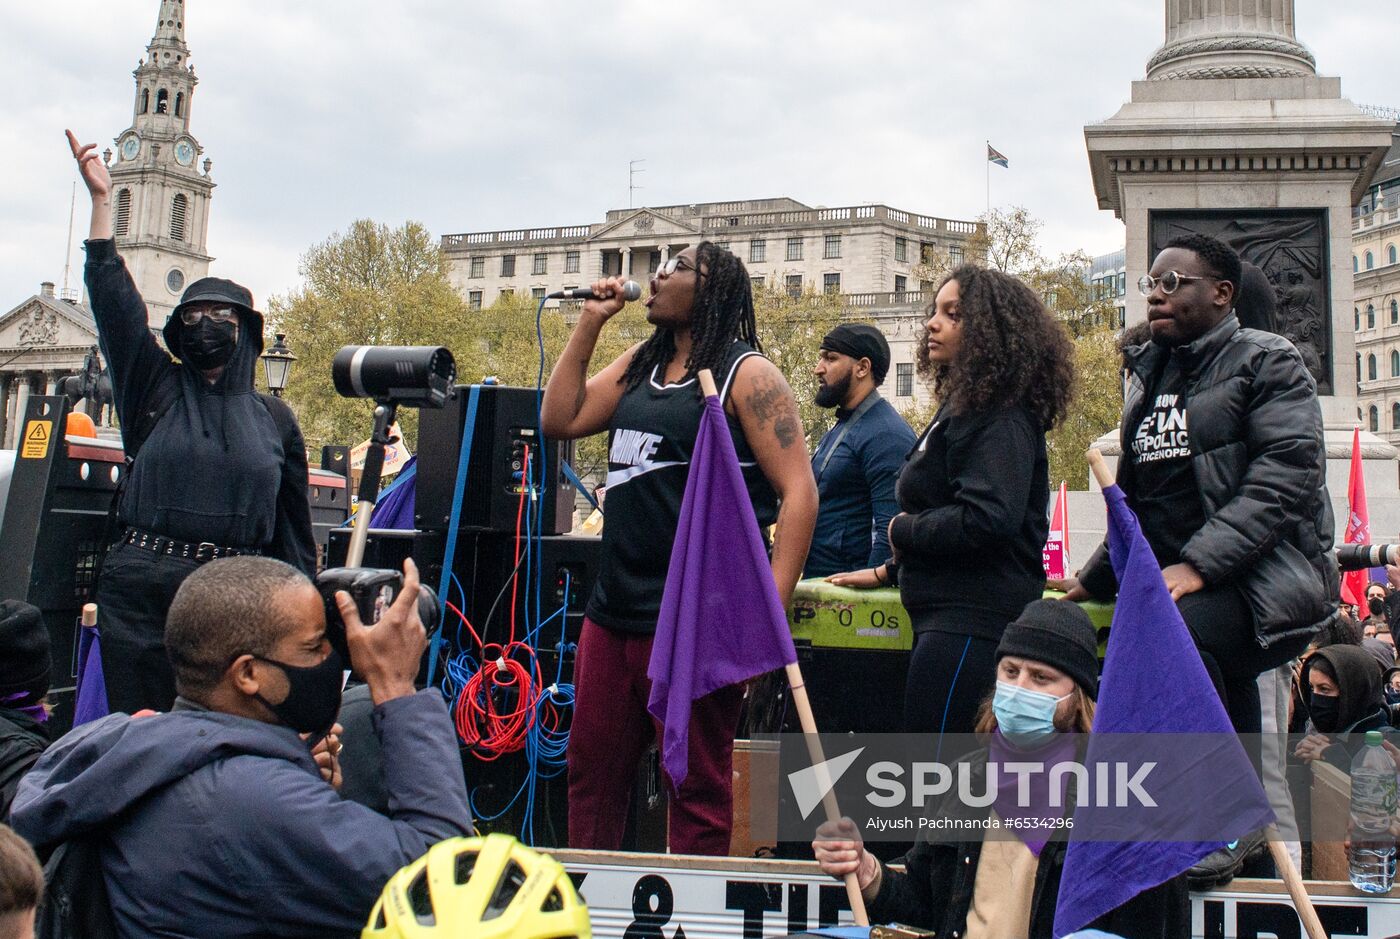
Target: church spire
[[170, 28]]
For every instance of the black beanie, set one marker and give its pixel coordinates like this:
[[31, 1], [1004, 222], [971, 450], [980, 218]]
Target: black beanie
[[1060, 634], [24, 652]]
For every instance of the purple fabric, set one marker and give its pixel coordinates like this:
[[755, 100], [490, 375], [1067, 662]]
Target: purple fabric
[[37, 712], [1061, 749], [1147, 636], [721, 621], [397, 504], [90, 700]]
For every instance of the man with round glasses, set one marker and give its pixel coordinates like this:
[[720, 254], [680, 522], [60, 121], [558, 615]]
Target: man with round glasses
[[216, 469], [1224, 463]]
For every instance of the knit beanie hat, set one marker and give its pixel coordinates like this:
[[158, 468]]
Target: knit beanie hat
[[1060, 634], [24, 653]]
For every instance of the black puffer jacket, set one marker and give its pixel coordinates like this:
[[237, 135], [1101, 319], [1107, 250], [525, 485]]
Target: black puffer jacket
[[1260, 464]]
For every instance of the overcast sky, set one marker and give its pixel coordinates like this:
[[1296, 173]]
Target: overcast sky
[[482, 116]]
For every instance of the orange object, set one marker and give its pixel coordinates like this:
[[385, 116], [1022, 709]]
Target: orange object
[[79, 425]]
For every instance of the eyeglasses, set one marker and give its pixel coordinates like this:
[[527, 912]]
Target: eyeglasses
[[677, 263], [1169, 281], [222, 314]]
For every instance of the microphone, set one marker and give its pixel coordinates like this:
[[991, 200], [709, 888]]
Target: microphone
[[631, 290]]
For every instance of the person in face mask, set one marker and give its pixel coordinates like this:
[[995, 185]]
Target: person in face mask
[[218, 469], [1344, 700], [1374, 613], [1006, 883], [225, 789], [25, 668]]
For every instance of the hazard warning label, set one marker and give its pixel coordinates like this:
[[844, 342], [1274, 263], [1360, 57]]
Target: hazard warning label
[[36, 440]]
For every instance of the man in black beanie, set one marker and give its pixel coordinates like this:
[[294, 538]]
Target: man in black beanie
[[859, 459], [25, 666]]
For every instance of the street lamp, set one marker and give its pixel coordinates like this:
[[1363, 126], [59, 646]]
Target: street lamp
[[277, 364]]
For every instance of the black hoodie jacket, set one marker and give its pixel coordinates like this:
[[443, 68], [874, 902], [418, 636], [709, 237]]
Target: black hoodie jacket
[[214, 466], [1361, 706]]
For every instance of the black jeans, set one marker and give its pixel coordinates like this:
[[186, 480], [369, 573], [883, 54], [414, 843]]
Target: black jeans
[[133, 597], [949, 678], [1223, 628]]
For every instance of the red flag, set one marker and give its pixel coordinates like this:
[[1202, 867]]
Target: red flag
[[1055, 555], [1358, 525]]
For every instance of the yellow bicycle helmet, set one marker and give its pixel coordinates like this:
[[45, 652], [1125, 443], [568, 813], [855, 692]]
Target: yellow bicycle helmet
[[486, 888]]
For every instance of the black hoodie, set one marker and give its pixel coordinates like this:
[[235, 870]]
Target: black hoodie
[[214, 466], [1360, 706]]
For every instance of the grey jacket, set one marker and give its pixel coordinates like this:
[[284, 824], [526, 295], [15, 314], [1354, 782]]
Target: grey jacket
[[218, 825], [1260, 463]]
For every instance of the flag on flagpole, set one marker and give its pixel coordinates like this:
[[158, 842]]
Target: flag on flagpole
[[1358, 530], [1055, 555], [90, 697], [1146, 637], [721, 620], [995, 156]]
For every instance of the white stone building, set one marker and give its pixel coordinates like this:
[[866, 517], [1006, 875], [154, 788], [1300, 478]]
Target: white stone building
[[868, 253], [160, 217], [1375, 262]]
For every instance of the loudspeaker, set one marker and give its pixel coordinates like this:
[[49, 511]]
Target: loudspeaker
[[486, 561], [506, 423]]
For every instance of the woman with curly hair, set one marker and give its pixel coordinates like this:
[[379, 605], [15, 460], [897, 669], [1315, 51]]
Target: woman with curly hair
[[973, 493]]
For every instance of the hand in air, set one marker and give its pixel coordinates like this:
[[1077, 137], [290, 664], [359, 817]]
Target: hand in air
[[90, 165]]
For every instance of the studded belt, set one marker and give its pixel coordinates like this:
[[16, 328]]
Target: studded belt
[[200, 553]]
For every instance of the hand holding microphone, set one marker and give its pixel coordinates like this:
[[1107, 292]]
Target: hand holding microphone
[[605, 298]]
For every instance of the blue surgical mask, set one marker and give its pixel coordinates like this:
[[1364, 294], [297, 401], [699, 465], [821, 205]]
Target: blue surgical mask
[[1025, 717]]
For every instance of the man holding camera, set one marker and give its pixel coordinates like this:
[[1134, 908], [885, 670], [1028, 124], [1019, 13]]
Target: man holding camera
[[217, 469], [216, 819], [1224, 464]]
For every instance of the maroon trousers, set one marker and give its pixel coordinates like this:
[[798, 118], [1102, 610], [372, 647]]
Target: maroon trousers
[[612, 730]]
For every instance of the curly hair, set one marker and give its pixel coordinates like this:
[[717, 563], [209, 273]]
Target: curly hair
[[1219, 258], [1013, 352], [722, 312]]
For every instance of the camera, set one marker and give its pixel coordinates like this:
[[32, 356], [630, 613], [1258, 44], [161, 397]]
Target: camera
[[411, 376], [1360, 557], [373, 590]]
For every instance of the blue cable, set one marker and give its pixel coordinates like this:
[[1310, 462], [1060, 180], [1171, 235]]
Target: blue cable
[[464, 454]]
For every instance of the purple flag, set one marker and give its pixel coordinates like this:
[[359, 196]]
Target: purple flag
[[721, 621], [398, 502], [90, 698], [1146, 638]]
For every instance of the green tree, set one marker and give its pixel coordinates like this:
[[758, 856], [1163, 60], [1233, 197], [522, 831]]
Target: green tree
[[1096, 409], [791, 330]]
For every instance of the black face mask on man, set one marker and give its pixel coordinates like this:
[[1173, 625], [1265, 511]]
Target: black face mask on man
[[208, 345], [313, 694], [1325, 711], [1376, 605]]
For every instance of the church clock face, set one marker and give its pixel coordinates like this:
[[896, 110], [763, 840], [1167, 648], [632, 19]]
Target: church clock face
[[184, 152], [130, 147], [175, 280]]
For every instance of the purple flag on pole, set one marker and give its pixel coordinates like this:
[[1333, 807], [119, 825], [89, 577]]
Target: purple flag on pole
[[397, 503], [90, 699], [721, 621], [1148, 636]]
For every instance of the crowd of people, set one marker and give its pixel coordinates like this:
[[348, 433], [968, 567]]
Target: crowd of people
[[219, 775]]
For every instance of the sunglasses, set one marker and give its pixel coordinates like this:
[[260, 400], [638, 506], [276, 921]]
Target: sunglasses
[[677, 263], [1170, 280], [222, 314]]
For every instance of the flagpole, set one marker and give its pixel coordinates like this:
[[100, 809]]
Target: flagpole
[[809, 732], [988, 161], [1282, 861]]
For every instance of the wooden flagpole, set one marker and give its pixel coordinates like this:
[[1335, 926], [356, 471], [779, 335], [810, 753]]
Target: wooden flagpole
[[1291, 878], [809, 732]]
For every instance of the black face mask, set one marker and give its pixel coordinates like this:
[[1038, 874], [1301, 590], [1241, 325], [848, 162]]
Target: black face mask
[[1376, 606], [313, 695], [1325, 711], [208, 345], [1392, 696]]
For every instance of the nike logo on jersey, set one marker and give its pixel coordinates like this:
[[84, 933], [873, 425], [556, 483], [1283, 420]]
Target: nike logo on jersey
[[633, 447]]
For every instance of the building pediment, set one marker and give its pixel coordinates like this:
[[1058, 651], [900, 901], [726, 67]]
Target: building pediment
[[644, 223], [42, 323]]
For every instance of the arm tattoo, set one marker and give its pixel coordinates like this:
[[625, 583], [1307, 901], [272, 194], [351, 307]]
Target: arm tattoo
[[770, 402]]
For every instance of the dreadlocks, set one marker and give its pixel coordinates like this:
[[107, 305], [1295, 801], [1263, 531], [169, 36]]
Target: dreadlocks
[[721, 313]]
